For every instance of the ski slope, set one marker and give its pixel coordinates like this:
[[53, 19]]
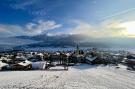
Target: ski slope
[[77, 77]]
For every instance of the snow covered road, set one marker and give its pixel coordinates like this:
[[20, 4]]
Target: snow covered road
[[77, 77]]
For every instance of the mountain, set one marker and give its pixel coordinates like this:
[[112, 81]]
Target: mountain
[[44, 40], [7, 43], [59, 41]]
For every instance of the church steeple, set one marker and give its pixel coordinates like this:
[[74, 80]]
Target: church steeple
[[77, 49]]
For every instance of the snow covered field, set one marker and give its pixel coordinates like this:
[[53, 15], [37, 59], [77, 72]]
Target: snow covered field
[[77, 77]]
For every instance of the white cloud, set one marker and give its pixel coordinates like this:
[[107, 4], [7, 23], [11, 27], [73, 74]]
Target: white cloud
[[36, 7], [23, 4], [29, 29], [104, 29], [81, 28], [41, 26], [10, 30], [130, 28], [118, 14]]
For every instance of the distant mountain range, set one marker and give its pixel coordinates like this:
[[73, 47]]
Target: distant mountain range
[[44, 40], [59, 41]]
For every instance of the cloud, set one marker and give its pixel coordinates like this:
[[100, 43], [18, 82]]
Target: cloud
[[23, 4], [36, 7], [29, 29], [102, 30], [82, 28], [10, 30], [119, 13], [130, 28], [41, 26], [106, 29]]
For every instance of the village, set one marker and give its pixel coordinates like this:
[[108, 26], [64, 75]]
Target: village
[[67, 44], [78, 69], [21, 60]]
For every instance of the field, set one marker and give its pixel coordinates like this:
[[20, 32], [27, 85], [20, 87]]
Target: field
[[77, 77]]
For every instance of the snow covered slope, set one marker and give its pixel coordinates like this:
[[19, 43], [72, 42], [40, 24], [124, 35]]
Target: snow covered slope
[[78, 77]]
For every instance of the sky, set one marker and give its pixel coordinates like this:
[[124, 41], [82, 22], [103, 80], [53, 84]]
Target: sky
[[93, 18]]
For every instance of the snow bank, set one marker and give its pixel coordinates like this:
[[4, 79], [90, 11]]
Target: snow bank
[[122, 66], [77, 77]]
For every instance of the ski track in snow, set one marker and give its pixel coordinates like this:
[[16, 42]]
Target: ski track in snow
[[77, 77]]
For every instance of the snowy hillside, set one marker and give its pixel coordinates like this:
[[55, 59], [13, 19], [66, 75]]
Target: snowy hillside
[[77, 77]]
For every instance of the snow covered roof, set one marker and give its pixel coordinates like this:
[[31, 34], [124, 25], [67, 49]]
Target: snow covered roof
[[4, 58], [25, 63], [68, 54], [3, 64], [90, 58], [21, 57], [40, 54]]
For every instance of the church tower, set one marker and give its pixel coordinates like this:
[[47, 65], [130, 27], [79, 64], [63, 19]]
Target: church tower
[[77, 49]]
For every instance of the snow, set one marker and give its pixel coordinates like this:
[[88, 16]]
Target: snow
[[77, 77], [25, 63], [38, 65], [4, 58], [21, 57], [3, 64], [122, 66], [89, 58]]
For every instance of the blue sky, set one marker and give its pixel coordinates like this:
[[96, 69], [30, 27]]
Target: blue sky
[[114, 18]]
